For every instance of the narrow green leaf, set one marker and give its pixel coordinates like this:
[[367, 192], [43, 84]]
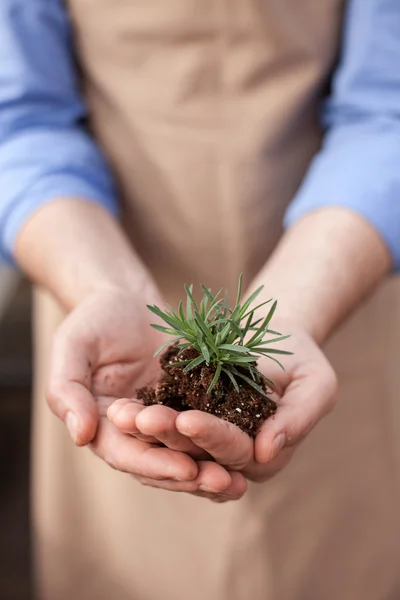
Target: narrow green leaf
[[164, 345], [181, 363], [256, 308], [234, 348], [270, 314], [252, 383], [232, 378], [207, 293], [181, 312], [205, 352], [275, 361], [217, 298], [164, 316], [193, 327], [175, 319], [239, 290], [218, 321], [212, 307], [189, 312], [206, 331], [215, 378], [252, 373], [182, 347], [275, 351], [272, 383], [273, 340], [236, 331], [194, 363], [171, 320], [226, 303], [235, 317], [240, 361], [189, 293], [225, 331], [165, 329], [254, 325], [200, 346], [251, 299], [190, 338], [265, 323], [203, 306], [248, 324]]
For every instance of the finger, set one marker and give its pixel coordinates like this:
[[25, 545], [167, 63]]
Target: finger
[[211, 477], [304, 403], [159, 422], [68, 392], [123, 412], [201, 486], [235, 491], [116, 406], [125, 453], [225, 442], [259, 473]]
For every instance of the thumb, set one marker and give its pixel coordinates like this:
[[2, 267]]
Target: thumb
[[68, 392], [305, 402]]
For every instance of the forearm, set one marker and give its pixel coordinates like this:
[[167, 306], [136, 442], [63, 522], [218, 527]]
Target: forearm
[[75, 248], [324, 266]]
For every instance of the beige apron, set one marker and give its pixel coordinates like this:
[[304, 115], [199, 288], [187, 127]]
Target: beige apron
[[207, 110]]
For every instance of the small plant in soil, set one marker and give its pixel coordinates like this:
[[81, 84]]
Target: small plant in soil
[[210, 362]]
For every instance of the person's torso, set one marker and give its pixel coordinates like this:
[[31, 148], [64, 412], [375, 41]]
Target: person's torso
[[209, 114]]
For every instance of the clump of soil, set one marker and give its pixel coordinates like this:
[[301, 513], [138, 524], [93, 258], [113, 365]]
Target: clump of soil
[[183, 391]]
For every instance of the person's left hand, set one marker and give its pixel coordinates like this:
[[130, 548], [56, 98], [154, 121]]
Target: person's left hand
[[102, 351], [305, 393]]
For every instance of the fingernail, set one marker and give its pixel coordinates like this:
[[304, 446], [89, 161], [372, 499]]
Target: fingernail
[[205, 488], [72, 425], [277, 446]]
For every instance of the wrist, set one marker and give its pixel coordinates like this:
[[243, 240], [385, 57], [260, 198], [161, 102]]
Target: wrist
[[139, 285], [323, 267], [288, 317], [75, 248], [129, 278]]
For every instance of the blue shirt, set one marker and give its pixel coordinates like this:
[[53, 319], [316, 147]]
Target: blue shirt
[[46, 153]]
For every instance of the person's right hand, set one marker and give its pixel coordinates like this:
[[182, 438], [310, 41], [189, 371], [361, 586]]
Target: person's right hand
[[102, 352], [305, 392]]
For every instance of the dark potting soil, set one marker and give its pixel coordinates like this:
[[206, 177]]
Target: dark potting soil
[[183, 391]]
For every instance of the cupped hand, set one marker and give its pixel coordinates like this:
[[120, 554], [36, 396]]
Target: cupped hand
[[305, 393], [101, 353]]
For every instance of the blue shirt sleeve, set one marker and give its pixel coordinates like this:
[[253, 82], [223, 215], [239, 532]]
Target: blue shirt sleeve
[[45, 152], [358, 166]]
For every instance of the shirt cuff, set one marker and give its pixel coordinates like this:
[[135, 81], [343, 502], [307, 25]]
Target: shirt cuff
[[43, 192], [38, 167], [358, 168]]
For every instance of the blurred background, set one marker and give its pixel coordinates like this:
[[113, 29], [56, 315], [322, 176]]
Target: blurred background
[[15, 405]]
